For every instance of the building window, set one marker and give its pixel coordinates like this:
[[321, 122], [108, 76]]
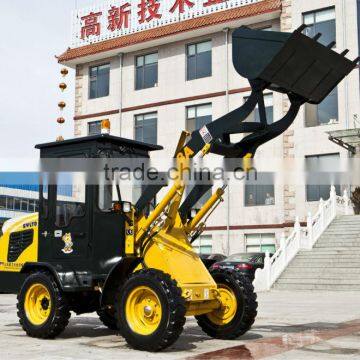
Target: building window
[[321, 21], [269, 110], [146, 71], [18, 204], [198, 116], [260, 191], [99, 81], [325, 113], [260, 243], [94, 128], [146, 128], [199, 60], [2, 202], [203, 244], [321, 176]]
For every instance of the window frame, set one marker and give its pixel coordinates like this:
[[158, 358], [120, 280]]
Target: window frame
[[90, 80], [55, 189], [22, 201], [92, 123], [261, 237], [256, 187], [144, 114], [314, 12], [187, 46], [308, 107], [143, 66], [319, 156], [253, 115], [196, 106]]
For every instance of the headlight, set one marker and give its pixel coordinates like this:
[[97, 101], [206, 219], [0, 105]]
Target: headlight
[[126, 207]]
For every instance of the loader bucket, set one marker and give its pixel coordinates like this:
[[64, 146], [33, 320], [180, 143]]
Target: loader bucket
[[289, 62]]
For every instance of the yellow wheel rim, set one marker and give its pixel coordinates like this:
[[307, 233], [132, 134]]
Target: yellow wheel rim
[[37, 304], [143, 310], [227, 310]]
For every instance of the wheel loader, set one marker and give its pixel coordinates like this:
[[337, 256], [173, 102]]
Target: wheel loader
[[137, 268]]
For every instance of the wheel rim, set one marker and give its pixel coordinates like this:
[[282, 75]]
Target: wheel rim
[[37, 304], [143, 310], [228, 308]]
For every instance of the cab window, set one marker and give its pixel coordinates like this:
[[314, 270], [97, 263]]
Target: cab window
[[70, 200]]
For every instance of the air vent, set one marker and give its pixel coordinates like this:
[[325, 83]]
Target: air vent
[[19, 241]]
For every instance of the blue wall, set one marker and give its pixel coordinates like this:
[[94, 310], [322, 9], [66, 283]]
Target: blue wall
[[28, 181]]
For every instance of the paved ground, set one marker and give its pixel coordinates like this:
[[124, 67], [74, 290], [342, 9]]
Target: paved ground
[[296, 325]]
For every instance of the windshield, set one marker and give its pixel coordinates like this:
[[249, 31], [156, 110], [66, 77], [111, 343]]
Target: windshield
[[240, 257]]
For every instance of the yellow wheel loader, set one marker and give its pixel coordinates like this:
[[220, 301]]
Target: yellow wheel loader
[[137, 268]]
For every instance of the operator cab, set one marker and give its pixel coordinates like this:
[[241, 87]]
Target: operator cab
[[81, 217]]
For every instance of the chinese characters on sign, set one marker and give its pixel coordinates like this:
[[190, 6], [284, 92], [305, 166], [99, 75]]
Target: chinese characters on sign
[[180, 4], [119, 17], [122, 15], [91, 25]]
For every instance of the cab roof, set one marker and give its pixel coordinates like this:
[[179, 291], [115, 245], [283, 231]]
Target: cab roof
[[101, 139]]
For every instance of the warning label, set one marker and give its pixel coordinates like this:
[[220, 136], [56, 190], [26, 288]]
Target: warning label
[[205, 134]]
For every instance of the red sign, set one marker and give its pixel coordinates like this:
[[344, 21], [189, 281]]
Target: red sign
[[213, 2], [180, 4], [119, 17], [91, 25], [148, 10]]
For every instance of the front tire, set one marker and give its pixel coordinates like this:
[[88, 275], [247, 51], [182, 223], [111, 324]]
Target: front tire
[[42, 307], [150, 310], [239, 307]]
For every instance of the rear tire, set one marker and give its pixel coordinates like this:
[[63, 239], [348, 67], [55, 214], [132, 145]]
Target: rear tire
[[42, 307], [107, 317], [150, 310], [239, 311]]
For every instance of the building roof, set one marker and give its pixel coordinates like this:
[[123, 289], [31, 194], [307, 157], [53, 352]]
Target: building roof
[[258, 8]]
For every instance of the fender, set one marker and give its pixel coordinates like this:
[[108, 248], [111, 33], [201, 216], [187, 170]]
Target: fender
[[116, 277], [67, 280]]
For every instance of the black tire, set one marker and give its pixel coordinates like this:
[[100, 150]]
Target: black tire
[[107, 317], [173, 310], [246, 306], [59, 314]]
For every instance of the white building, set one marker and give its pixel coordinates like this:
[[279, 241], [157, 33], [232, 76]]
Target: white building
[[15, 202], [154, 77]]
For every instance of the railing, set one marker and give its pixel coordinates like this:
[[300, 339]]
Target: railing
[[301, 238]]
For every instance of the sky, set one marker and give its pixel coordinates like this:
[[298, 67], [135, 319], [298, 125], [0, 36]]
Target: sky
[[32, 33]]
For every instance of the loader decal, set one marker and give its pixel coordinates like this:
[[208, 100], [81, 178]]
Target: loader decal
[[68, 248]]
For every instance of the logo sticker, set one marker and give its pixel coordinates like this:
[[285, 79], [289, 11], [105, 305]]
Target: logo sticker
[[205, 134], [68, 248]]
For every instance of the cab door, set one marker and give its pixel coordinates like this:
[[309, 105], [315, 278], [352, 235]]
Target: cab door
[[64, 222], [71, 222]]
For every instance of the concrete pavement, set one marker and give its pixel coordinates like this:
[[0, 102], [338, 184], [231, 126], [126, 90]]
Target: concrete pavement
[[290, 325]]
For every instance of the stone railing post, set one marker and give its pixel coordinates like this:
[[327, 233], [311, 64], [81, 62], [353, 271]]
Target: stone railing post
[[321, 210], [283, 248], [333, 201], [347, 203], [297, 228], [267, 269], [309, 225]]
